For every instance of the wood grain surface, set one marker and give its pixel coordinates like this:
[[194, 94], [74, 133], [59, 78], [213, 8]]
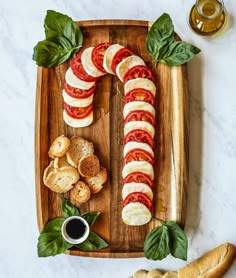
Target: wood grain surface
[[171, 153]]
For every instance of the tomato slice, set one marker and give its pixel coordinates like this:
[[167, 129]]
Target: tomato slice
[[78, 112], [139, 94], [139, 72], [140, 115], [78, 69], [139, 135], [138, 197], [78, 93], [139, 178], [119, 56], [98, 55], [138, 155]]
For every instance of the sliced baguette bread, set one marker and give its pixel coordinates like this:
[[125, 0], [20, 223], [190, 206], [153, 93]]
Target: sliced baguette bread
[[80, 193], [59, 147], [154, 273], [62, 180], [96, 183], [78, 148], [50, 168], [89, 166], [60, 162]]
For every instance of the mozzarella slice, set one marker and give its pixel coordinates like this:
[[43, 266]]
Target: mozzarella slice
[[136, 214], [77, 122], [138, 166], [109, 55], [136, 187], [74, 81], [127, 64], [139, 125], [86, 59], [77, 102], [137, 145], [138, 105], [143, 83]]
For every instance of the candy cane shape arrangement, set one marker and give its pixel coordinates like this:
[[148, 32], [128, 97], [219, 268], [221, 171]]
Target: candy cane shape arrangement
[[139, 117]]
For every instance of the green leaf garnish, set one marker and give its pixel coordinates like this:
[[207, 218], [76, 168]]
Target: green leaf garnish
[[92, 243], [161, 45], [69, 210], [90, 217]]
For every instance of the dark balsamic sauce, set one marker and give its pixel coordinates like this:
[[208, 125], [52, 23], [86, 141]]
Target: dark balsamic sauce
[[75, 228]]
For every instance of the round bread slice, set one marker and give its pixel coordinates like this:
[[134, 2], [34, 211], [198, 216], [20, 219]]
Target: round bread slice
[[138, 166], [62, 180], [136, 214], [127, 64], [77, 123], [136, 187], [79, 148], [74, 81], [89, 166], [77, 102], [59, 146], [129, 126], [60, 162], [138, 105], [142, 83], [50, 168], [109, 55], [80, 193], [141, 273], [96, 183], [88, 65], [154, 273]]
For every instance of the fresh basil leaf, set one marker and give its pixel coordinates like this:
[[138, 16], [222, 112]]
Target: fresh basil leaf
[[161, 45], [69, 210], [58, 24], [156, 244], [52, 52], [90, 217], [179, 53], [92, 243], [50, 241], [178, 243]]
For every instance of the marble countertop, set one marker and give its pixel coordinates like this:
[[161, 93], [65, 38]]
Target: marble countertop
[[212, 179]]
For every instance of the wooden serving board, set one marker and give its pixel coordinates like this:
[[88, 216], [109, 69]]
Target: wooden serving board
[[171, 154]]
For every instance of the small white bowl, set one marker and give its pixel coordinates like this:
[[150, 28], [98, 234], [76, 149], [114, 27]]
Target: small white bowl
[[72, 240]]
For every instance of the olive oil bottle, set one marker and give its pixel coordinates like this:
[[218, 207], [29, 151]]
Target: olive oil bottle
[[207, 17]]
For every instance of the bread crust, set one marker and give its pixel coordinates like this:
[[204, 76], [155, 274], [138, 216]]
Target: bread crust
[[50, 168], [59, 146], [89, 166], [154, 273], [60, 162], [80, 193], [79, 147], [213, 264], [141, 273], [96, 183]]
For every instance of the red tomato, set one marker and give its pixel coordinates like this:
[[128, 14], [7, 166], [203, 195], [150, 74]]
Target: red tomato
[[78, 112], [140, 115], [139, 178], [119, 56], [138, 197], [139, 72], [138, 155], [139, 94], [98, 55], [78, 69], [78, 93], [139, 135]]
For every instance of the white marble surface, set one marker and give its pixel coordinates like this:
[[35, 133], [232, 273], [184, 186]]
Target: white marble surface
[[212, 184]]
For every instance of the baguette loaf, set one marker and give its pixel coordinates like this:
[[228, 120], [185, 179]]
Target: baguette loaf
[[213, 264]]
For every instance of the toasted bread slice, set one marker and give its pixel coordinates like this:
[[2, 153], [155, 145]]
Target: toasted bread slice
[[62, 180], [96, 183], [141, 273], [154, 273], [50, 168], [59, 147], [89, 166], [80, 193], [79, 148], [60, 162]]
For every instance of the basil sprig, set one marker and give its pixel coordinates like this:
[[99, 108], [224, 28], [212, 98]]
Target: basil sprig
[[163, 47], [63, 40], [167, 239], [51, 242]]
